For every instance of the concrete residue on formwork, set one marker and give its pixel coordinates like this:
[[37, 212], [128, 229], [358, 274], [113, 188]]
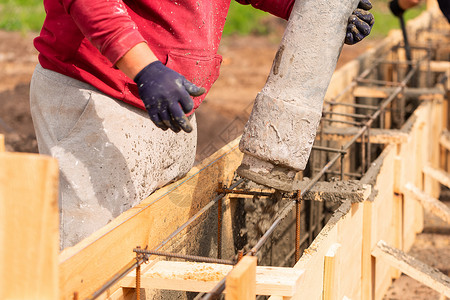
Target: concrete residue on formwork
[[336, 191], [343, 209], [407, 127]]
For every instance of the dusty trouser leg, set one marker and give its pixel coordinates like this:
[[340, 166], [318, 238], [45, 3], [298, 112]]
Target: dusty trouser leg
[[111, 156]]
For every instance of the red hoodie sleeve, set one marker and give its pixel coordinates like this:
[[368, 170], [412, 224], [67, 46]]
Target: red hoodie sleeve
[[106, 24], [279, 8]]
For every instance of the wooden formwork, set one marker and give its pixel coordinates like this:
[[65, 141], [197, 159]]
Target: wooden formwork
[[347, 259]]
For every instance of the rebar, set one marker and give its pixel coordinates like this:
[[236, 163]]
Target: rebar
[[138, 282], [355, 105], [186, 257], [348, 174], [342, 121], [356, 116], [240, 255], [243, 192], [381, 82], [297, 225], [219, 228], [321, 148]]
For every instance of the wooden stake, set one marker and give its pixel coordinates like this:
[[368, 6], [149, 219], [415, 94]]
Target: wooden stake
[[329, 273], [412, 267], [28, 227], [241, 282]]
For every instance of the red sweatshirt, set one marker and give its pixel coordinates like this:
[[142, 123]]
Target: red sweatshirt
[[83, 39]]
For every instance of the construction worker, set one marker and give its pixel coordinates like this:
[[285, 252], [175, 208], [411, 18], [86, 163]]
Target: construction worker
[[398, 7], [104, 68]]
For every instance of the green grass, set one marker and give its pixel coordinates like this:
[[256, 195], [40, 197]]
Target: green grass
[[21, 15], [244, 19], [28, 15], [385, 20]]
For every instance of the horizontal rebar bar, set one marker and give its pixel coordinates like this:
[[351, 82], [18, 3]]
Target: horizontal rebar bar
[[381, 82], [327, 149], [339, 173], [186, 257], [356, 116], [356, 105], [342, 121], [243, 192]]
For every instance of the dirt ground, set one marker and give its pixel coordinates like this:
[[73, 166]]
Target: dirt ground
[[246, 63]]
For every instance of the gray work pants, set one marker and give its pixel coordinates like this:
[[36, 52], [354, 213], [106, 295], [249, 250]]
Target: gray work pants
[[111, 156]]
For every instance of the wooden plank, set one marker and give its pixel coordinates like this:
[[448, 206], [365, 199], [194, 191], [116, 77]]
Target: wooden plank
[[438, 66], [241, 282], [2, 143], [330, 285], [439, 175], [29, 224], [431, 204], [370, 92], [412, 267], [202, 277], [86, 266]]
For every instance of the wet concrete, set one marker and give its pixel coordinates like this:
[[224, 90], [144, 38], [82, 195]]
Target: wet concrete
[[336, 191]]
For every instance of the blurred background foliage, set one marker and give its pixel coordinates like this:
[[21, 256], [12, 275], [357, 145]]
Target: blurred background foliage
[[28, 15]]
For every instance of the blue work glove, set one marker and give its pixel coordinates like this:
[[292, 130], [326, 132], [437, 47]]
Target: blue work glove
[[167, 96], [395, 8], [359, 23]]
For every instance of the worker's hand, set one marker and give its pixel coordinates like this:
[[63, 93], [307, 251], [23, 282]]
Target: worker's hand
[[167, 96], [359, 23]]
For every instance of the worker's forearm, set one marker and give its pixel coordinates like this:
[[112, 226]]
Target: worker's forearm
[[137, 58]]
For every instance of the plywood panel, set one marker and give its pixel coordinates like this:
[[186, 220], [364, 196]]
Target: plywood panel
[[383, 218], [350, 234]]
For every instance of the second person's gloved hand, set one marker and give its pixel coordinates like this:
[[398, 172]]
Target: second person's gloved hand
[[167, 96], [359, 23]]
